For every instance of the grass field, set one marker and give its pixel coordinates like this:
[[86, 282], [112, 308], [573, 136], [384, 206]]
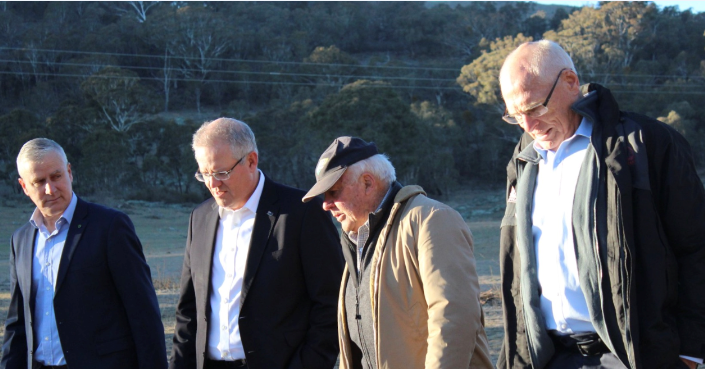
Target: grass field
[[162, 230]]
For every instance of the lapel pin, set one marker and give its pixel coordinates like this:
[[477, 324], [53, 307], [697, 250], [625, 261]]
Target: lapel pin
[[79, 226], [270, 213]]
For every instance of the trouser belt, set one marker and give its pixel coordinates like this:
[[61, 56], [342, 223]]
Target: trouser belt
[[587, 344], [217, 364]]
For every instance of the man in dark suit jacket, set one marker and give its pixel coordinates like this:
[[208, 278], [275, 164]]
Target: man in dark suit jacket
[[261, 271], [81, 291]]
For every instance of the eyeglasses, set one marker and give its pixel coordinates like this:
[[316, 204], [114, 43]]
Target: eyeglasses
[[220, 176], [534, 111]]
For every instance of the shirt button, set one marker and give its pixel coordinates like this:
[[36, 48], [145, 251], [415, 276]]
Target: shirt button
[[225, 327], [46, 338], [563, 326], [47, 313]]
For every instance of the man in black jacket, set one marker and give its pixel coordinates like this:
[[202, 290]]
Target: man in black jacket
[[259, 284], [603, 240], [80, 288]]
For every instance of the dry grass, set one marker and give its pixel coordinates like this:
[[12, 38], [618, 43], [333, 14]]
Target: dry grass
[[162, 230]]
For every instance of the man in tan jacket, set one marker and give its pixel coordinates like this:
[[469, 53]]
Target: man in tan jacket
[[409, 296]]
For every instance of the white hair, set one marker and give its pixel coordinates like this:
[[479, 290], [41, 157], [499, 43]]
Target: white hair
[[235, 133], [377, 165], [35, 150]]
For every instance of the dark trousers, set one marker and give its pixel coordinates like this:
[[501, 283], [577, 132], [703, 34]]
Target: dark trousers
[[40, 366], [563, 359], [581, 351], [216, 364]]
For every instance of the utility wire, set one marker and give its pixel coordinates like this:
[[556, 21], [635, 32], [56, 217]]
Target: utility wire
[[229, 59], [286, 74], [220, 81], [177, 69], [422, 68]]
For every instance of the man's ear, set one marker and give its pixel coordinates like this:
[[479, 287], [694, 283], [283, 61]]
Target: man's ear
[[24, 185], [369, 181], [252, 160], [573, 81]]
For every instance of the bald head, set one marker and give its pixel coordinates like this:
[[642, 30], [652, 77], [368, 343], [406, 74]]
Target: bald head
[[533, 63], [539, 85]]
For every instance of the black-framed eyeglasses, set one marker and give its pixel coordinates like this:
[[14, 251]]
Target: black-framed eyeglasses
[[536, 110], [220, 176]]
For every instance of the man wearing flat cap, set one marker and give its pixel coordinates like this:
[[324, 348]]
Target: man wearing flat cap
[[409, 297]]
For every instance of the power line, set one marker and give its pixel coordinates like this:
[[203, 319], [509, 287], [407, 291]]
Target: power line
[[315, 84], [222, 81], [232, 60], [177, 69], [374, 77]]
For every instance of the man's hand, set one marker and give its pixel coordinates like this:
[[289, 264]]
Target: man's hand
[[690, 364]]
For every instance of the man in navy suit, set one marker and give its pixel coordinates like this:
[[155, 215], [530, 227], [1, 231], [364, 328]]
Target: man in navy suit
[[261, 272], [81, 290]]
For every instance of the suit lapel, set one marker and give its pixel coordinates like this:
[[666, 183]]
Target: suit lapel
[[24, 262], [265, 219], [76, 229], [202, 249]]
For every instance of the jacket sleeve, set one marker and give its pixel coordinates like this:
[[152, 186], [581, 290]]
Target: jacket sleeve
[[681, 203], [133, 281], [183, 353], [322, 261], [14, 347], [452, 291]]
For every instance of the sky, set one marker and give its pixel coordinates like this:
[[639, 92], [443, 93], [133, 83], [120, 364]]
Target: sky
[[695, 6]]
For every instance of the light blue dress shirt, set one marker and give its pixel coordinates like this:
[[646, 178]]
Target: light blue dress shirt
[[48, 248], [562, 301]]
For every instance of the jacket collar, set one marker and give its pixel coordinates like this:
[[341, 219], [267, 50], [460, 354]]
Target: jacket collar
[[383, 211], [408, 192], [265, 219], [78, 225]]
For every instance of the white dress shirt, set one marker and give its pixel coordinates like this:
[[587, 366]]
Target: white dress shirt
[[562, 301], [48, 248], [232, 245]]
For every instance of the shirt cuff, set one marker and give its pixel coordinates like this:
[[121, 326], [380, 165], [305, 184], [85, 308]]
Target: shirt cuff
[[695, 359]]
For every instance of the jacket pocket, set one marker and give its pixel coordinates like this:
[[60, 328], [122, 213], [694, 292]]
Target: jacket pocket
[[114, 345]]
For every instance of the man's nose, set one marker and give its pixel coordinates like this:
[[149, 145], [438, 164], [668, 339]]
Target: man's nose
[[527, 122], [212, 182], [327, 204], [49, 188]]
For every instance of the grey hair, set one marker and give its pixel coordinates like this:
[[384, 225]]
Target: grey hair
[[378, 165], [546, 60], [235, 133], [36, 149]]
